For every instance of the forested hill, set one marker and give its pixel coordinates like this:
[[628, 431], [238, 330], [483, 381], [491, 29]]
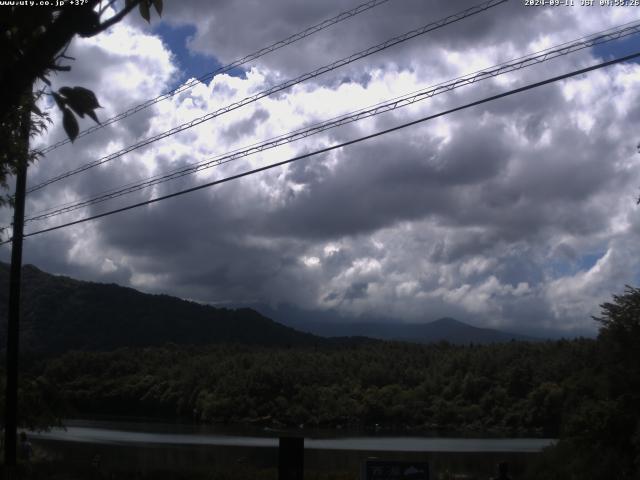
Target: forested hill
[[60, 314]]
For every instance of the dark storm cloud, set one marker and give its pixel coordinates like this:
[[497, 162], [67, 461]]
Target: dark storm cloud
[[209, 258], [380, 183], [264, 23], [355, 291], [461, 243]]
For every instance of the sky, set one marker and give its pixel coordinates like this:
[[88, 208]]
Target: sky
[[518, 214]]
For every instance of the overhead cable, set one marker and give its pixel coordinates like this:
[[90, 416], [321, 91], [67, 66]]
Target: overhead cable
[[225, 68], [278, 88], [337, 146], [389, 105]]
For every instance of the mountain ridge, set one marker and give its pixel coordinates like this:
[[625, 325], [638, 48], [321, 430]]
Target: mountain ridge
[[60, 313], [443, 329]]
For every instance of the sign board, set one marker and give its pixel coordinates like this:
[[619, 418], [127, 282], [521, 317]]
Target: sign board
[[388, 470]]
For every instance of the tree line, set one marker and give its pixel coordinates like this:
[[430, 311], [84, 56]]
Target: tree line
[[514, 388]]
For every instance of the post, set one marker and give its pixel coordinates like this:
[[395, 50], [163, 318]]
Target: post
[[11, 393], [291, 458]]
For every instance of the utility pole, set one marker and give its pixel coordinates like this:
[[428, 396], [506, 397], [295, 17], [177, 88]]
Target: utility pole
[[13, 337]]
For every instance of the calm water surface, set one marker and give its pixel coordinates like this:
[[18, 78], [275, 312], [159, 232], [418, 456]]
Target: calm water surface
[[148, 435], [149, 447]]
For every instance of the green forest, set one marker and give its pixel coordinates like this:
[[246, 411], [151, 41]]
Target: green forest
[[515, 388]]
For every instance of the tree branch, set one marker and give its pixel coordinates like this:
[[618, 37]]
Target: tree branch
[[104, 9], [113, 20]]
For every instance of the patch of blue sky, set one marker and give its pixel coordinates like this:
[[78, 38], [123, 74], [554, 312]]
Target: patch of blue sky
[[586, 262], [562, 267], [619, 48], [191, 64]]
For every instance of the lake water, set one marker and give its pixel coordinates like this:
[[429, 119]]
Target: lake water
[[149, 446], [116, 435]]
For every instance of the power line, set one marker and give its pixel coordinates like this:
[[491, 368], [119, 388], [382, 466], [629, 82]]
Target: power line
[[383, 107], [340, 145], [389, 105], [226, 68], [280, 87]]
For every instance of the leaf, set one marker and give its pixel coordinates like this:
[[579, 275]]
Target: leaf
[[88, 23], [86, 97], [65, 91], [93, 115], [158, 5], [80, 113], [59, 100], [70, 124], [81, 100], [37, 111], [144, 10]]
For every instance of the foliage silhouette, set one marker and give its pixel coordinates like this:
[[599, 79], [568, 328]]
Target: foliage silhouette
[[32, 47]]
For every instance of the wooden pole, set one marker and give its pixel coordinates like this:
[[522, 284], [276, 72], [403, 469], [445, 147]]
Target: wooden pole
[[15, 276], [291, 458]]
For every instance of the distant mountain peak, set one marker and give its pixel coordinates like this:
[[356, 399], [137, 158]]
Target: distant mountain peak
[[443, 329], [449, 321]]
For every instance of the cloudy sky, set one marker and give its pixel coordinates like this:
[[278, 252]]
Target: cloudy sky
[[518, 214]]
